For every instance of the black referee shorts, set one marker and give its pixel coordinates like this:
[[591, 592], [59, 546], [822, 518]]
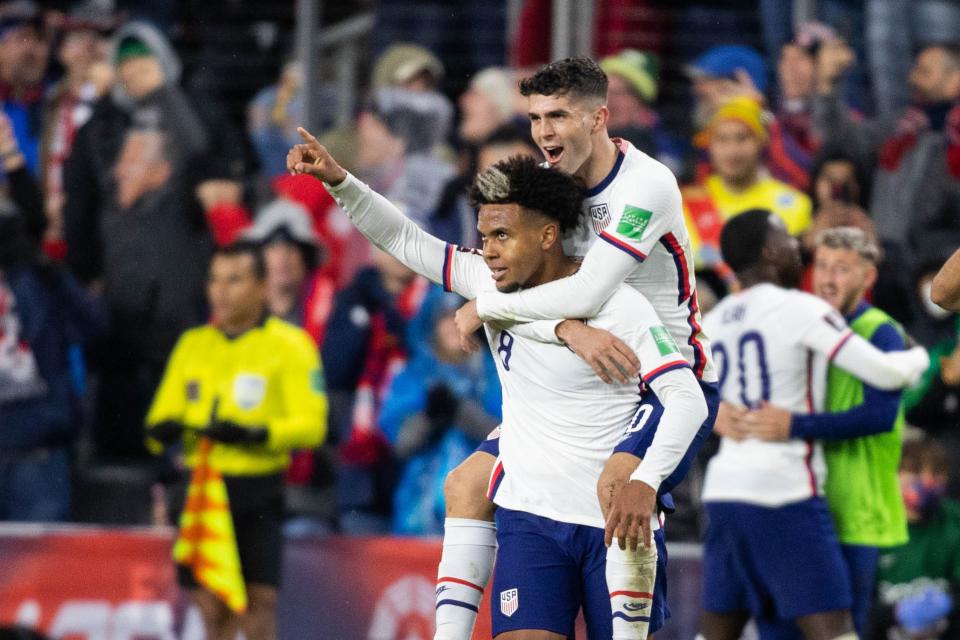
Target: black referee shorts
[[258, 509]]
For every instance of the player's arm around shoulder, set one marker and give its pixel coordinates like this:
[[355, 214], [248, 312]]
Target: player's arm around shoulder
[[301, 420]]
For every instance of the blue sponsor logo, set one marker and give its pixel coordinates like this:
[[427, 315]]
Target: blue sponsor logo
[[635, 606]]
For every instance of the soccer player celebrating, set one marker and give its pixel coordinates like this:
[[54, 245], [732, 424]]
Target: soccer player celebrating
[[632, 204], [770, 548], [560, 423]]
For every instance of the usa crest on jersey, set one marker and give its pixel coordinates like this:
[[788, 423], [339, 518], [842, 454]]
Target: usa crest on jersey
[[509, 602], [600, 217]]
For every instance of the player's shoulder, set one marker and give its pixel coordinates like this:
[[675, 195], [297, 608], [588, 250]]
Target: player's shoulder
[[640, 173], [802, 300]]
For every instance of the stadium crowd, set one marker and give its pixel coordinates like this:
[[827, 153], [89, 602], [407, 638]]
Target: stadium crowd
[[121, 184]]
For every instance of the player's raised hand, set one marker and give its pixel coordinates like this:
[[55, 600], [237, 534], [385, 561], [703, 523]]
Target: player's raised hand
[[312, 158], [608, 355], [629, 518], [768, 423]]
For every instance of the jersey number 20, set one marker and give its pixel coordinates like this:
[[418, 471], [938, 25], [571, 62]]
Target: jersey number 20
[[749, 342]]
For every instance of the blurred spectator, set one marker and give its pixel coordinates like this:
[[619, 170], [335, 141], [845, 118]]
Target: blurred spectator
[[793, 141], [455, 220], [915, 195], [838, 193], [237, 395], [779, 18], [633, 81], [893, 28], [504, 143], [723, 73], [934, 403], [24, 53], [487, 104], [43, 312], [919, 582], [21, 184], [403, 65], [297, 290], [133, 224], [364, 347], [735, 138], [275, 113], [438, 408], [397, 134], [88, 75]]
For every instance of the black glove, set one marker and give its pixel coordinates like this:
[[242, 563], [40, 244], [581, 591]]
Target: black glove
[[231, 433], [167, 432], [441, 406]]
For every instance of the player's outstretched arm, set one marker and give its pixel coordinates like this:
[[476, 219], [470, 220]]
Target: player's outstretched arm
[[850, 352], [385, 226]]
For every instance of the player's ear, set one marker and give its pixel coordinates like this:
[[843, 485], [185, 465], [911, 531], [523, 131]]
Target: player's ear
[[870, 276], [600, 117], [549, 235]]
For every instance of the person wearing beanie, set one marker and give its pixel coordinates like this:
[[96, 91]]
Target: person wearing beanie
[[402, 65], [633, 81], [398, 132], [735, 138], [487, 104]]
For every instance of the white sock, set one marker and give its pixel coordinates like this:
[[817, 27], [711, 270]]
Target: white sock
[[469, 550], [631, 576]]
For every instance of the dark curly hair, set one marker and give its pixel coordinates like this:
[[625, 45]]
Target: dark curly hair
[[521, 180], [580, 77]]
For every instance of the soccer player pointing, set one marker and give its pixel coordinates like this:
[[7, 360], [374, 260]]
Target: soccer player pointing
[[561, 423]]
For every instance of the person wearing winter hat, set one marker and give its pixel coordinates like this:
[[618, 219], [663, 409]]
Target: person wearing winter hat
[[633, 83], [297, 291], [735, 138], [398, 131], [487, 104]]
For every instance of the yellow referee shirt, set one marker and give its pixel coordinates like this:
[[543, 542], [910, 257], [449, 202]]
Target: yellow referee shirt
[[269, 377], [707, 206]]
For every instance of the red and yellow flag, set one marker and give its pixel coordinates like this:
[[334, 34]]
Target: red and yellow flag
[[206, 541]]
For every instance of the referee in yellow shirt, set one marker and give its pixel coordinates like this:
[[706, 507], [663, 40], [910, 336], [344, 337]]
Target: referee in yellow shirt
[[252, 385]]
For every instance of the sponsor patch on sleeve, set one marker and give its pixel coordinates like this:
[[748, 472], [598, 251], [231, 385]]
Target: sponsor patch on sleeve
[[664, 340], [633, 222]]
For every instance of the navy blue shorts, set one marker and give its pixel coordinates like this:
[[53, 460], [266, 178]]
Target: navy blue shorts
[[643, 427], [492, 444], [782, 562], [547, 570], [861, 564]]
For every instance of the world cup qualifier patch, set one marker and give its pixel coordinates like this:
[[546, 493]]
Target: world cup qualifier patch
[[664, 340], [633, 222]]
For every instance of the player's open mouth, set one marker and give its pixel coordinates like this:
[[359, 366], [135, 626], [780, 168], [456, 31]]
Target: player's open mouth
[[496, 274], [553, 154]]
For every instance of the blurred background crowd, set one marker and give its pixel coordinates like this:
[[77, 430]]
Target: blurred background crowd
[[137, 136]]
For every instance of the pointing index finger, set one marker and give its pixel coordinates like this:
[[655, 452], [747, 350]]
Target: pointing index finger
[[306, 135]]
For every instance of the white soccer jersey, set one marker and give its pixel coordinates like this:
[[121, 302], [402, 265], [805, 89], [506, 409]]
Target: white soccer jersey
[[771, 345], [637, 210], [560, 421]]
